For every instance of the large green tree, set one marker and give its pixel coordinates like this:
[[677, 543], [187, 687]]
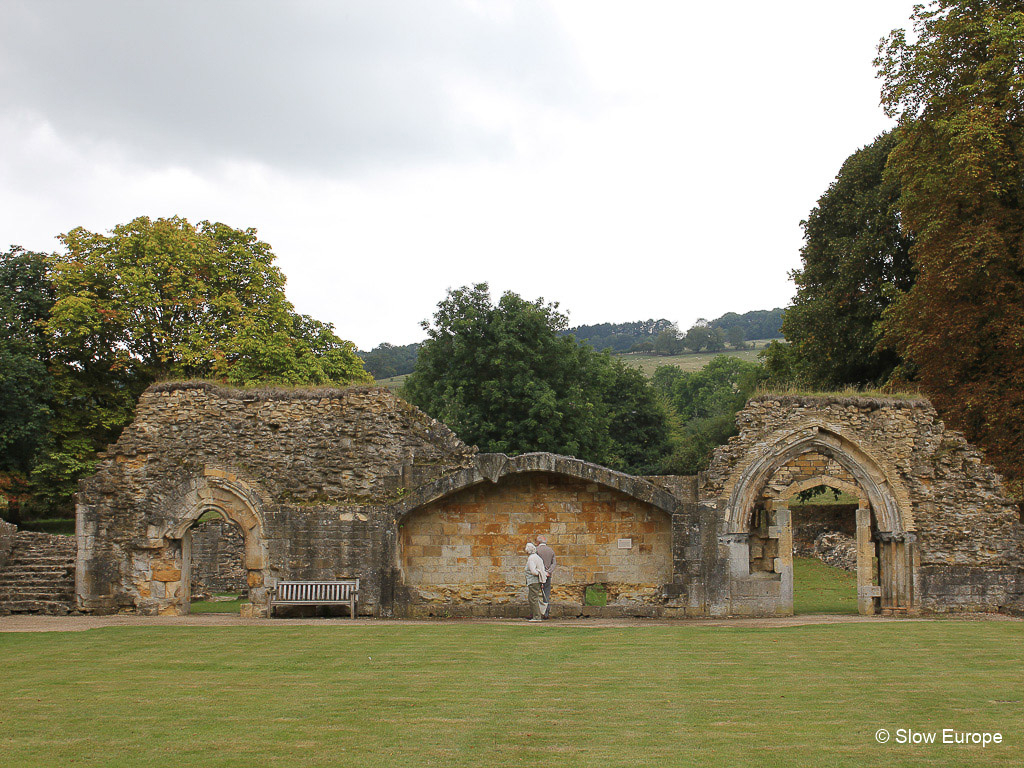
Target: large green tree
[[504, 378], [705, 403], [26, 386], [855, 262], [84, 331], [167, 298], [957, 86]]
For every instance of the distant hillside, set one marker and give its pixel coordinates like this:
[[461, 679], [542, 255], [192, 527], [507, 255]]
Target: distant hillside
[[759, 324], [387, 360], [619, 337]]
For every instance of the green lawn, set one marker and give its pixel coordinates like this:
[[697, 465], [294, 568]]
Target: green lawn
[[216, 606], [465, 694], [820, 588]]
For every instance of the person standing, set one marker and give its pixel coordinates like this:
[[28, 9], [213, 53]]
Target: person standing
[[535, 578], [547, 555]]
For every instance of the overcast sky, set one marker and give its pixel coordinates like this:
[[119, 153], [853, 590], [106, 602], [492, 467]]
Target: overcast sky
[[629, 160]]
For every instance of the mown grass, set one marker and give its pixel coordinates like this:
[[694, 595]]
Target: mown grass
[[466, 694], [216, 606], [820, 588]]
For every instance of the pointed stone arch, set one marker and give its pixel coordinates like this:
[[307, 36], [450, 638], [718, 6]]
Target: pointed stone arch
[[883, 498], [887, 496]]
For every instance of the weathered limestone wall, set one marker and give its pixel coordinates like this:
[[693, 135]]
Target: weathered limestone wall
[[933, 495], [7, 531], [328, 484], [304, 472], [218, 554], [468, 547]]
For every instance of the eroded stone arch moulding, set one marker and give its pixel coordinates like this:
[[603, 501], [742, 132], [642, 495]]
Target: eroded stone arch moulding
[[328, 484]]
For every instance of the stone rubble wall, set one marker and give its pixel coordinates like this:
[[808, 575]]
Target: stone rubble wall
[[811, 521], [836, 549], [318, 463], [469, 547], [217, 558], [966, 531], [7, 533], [353, 483]]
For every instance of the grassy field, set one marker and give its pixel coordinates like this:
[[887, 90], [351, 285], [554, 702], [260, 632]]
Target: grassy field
[[393, 382], [464, 694], [691, 361], [216, 606]]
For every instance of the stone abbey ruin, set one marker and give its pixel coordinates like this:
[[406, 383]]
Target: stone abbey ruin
[[356, 483]]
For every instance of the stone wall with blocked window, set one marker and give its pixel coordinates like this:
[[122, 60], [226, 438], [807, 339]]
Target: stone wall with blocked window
[[469, 546]]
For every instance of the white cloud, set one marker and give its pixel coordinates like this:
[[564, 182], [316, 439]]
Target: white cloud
[[630, 161]]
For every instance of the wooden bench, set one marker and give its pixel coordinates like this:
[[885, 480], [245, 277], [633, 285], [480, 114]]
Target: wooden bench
[[342, 592]]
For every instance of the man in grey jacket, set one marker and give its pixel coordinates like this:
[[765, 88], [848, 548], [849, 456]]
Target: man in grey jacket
[[547, 554], [535, 579]]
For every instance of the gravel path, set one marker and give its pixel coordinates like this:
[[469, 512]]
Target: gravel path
[[32, 623]]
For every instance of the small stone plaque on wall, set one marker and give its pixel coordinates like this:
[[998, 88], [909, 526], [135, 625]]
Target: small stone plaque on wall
[[625, 543]]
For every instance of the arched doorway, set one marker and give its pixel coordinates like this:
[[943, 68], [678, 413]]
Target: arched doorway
[[217, 573], [759, 522], [227, 498]]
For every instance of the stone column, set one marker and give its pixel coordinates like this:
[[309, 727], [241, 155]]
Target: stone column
[[866, 589], [783, 531], [887, 572], [914, 568]]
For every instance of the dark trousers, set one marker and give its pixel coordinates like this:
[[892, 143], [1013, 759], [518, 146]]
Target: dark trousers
[[547, 598]]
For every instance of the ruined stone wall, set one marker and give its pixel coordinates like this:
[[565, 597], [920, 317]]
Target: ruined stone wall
[[468, 547], [951, 503], [218, 553], [960, 511], [7, 531], [317, 466], [355, 483]]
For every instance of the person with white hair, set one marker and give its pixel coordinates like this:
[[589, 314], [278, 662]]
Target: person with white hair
[[547, 554], [535, 578]]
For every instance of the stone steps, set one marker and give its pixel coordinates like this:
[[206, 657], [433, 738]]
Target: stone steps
[[39, 576]]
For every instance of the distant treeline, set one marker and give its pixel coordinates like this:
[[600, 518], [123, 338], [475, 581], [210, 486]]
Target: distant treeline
[[619, 337], [759, 324], [623, 337], [387, 360]]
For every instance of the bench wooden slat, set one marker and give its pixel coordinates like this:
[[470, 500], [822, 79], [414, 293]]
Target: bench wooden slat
[[341, 592]]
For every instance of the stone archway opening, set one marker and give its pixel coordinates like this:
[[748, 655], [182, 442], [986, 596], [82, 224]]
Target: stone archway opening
[[171, 566], [834, 533], [761, 524], [218, 578]]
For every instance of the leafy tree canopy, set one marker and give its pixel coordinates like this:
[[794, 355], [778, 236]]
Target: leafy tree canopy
[[83, 332], [855, 263], [957, 86], [620, 337], [387, 360], [504, 377], [172, 299], [706, 403], [759, 324]]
